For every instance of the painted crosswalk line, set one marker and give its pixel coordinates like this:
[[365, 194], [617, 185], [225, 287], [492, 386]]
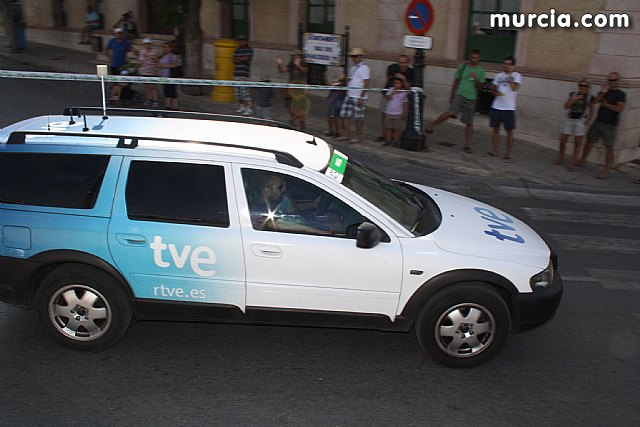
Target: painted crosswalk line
[[596, 244], [571, 196], [578, 217]]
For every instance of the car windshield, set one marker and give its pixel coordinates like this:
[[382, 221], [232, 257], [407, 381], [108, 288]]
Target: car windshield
[[397, 201]]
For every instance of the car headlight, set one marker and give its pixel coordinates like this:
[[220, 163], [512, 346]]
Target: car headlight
[[542, 280]]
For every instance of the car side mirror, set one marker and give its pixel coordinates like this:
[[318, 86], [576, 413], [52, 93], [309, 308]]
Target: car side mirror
[[368, 236]]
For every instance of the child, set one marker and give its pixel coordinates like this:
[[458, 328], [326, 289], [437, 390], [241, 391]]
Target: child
[[395, 111], [264, 104], [335, 98]]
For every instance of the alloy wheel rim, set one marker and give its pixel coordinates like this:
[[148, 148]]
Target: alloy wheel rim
[[465, 330], [80, 312]]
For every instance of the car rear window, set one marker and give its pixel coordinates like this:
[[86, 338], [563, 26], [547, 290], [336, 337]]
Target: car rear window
[[55, 180]]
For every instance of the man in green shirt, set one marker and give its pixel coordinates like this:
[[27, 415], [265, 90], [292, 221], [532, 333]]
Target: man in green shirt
[[469, 78]]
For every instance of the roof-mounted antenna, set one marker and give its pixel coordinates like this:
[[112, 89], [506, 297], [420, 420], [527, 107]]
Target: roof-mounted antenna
[[70, 112], [102, 71], [85, 128], [313, 142]]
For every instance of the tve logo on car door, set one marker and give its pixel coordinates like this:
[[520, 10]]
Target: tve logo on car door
[[200, 256]]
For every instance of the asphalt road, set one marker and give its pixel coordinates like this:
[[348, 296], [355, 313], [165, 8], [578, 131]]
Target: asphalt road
[[579, 369]]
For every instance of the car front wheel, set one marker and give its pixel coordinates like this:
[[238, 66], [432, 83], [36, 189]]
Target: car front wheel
[[464, 325], [82, 307]]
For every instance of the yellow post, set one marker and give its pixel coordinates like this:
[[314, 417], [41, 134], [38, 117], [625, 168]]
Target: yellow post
[[224, 70]]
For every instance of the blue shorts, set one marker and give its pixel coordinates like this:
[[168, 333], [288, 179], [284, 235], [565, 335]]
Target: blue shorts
[[335, 107], [506, 117]]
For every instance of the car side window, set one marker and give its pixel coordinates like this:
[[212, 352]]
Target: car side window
[[183, 193], [282, 203]]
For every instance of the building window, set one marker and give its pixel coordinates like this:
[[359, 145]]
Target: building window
[[240, 18], [494, 43], [320, 16]]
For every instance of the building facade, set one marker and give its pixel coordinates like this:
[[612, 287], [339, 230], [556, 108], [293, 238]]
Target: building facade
[[551, 60]]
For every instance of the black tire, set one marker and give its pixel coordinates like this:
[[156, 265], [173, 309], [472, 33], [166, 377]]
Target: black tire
[[464, 325], [82, 307]]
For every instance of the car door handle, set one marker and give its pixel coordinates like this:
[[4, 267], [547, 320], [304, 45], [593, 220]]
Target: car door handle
[[267, 251], [131, 239]]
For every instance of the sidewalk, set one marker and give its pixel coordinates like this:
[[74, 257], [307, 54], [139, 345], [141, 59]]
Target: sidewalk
[[531, 163]]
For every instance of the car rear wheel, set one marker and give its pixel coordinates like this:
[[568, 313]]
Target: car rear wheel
[[464, 325], [82, 307]]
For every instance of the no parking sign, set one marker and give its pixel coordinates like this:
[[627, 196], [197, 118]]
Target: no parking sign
[[419, 16]]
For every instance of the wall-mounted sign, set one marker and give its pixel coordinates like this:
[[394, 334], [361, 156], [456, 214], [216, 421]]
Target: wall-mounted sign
[[324, 49], [418, 42]]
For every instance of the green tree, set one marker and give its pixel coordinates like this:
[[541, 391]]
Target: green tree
[[184, 15]]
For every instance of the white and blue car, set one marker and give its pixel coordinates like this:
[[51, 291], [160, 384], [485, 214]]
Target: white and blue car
[[106, 220]]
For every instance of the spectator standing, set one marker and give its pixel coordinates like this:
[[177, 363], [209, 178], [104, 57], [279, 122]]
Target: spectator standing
[[396, 110], [580, 111], [296, 99], [128, 26], [169, 62], [403, 70], [503, 108], [353, 106], [266, 97], [117, 51], [335, 99], [242, 57], [468, 80], [612, 101], [92, 22], [148, 58]]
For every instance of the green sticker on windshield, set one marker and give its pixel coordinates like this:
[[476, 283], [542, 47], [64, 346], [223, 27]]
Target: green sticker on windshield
[[337, 166]]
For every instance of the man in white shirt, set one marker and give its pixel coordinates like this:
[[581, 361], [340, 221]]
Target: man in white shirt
[[503, 109], [353, 106]]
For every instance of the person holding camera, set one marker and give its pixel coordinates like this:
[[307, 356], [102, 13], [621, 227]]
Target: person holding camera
[[503, 108], [580, 111]]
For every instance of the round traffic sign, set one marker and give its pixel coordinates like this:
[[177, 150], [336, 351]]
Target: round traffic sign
[[419, 16]]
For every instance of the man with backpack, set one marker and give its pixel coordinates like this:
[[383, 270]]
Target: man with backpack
[[468, 80]]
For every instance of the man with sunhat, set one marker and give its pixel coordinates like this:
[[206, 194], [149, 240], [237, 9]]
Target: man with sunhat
[[353, 106]]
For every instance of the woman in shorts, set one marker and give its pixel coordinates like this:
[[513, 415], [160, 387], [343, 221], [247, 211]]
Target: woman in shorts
[[579, 111]]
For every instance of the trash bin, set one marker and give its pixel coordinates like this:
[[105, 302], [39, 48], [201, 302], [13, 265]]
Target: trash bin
[[485, 97], [224, 70]]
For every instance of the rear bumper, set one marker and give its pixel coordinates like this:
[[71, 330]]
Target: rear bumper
[[536, 308], [15, 281]]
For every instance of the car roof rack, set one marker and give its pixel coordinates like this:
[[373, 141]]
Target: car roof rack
[[141, 112], [19, 137]]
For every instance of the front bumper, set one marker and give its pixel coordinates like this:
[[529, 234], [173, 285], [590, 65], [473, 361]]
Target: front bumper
[[536, 308]]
